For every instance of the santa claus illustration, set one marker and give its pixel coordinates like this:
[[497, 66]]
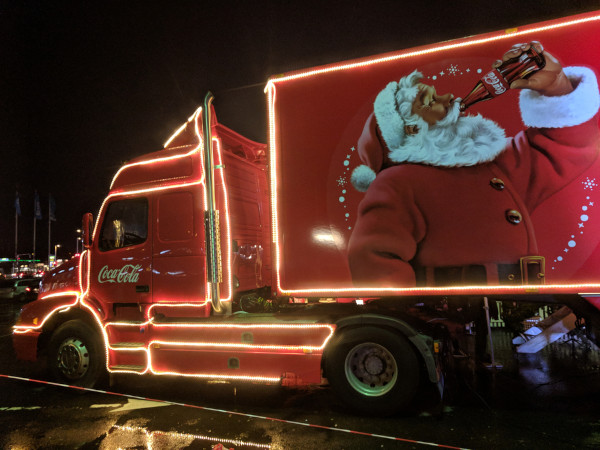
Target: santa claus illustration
[[449, 199]]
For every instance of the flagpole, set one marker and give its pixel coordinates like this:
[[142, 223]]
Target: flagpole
[[16, 237], [17, 214], [49, 228], [34, 224]]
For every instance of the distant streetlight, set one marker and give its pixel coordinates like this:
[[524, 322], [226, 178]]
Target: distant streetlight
[[55, 253], [77, 241]]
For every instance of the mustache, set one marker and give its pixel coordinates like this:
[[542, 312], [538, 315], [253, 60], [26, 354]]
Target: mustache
[[452, 115]]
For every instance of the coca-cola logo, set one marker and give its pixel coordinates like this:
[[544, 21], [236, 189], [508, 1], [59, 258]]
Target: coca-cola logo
[[494, 84], [126, 274]]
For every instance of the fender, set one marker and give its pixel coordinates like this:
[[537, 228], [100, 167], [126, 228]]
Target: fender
[[423, 344]]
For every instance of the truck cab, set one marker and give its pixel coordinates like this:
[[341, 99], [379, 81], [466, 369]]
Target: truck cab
[[149, 245]]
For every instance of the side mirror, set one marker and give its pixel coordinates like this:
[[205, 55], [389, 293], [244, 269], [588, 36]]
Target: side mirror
[[88, 229]]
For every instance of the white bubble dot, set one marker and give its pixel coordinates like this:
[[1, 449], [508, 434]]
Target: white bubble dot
[[479, 71], [344, 191], [584, 208], [572, 244], [584, 218], [347, 214], [342, 199], [346, 162], [560, 258]]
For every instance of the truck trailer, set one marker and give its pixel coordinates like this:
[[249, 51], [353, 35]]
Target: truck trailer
[[362, 246]]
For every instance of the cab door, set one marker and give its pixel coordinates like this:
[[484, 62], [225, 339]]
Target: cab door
[[121, 264], [178, 250]]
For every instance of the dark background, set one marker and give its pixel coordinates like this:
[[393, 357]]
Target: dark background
[[86, 86]]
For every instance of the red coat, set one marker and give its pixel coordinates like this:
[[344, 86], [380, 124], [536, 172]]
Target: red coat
[[417, 219]]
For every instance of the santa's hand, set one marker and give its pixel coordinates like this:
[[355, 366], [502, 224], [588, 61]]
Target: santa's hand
[[550, 81]]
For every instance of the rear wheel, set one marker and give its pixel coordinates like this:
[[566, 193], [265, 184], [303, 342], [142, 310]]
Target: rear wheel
[[373, 370], [75, 354]]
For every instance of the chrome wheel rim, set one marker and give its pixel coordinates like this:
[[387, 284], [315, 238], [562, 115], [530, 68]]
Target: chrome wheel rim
[[371, 369], [73, 358]]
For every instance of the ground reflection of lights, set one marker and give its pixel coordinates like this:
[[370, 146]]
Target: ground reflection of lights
[[153, 438]]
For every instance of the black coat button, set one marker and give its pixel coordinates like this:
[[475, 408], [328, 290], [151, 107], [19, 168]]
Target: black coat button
[[497, 184], [514, 216]]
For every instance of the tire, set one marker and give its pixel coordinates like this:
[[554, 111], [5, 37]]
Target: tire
[[373, 370], [76, 355]]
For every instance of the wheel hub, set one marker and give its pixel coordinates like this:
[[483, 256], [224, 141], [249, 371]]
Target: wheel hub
[[73, 358], [371, 369], [374, 364]]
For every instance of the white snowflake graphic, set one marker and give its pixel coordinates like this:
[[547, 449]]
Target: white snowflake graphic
[[341, 181], [589, 183], [453, 70]]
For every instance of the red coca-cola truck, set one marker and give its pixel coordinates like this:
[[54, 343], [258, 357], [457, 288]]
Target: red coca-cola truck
[[359, 247]]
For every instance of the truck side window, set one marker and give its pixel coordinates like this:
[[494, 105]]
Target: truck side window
[[125, 224]]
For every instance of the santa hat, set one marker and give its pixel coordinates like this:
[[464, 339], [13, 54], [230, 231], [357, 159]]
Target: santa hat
[[392, 112]]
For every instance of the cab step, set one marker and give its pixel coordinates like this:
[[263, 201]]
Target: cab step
[[127, 368], [139, 345]]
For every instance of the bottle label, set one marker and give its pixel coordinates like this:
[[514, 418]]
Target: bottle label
[[495, 83]]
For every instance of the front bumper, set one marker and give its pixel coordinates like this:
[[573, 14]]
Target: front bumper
[[25, 344]]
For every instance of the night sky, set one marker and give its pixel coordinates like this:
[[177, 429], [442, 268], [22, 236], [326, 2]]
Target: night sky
[[88, 85]]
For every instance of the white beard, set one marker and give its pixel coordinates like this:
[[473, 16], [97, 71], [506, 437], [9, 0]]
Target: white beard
[[455, 141]]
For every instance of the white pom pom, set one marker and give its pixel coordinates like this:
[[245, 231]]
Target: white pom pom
[[362, 177]]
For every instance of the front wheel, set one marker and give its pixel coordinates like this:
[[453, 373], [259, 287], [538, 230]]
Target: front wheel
[[75, 354], [373, 370]]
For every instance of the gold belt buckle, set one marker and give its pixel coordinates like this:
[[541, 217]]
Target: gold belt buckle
[[526, 261]]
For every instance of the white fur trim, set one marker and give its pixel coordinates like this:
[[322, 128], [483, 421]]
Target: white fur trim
[[393, 108], [389, 121], [362, 177], [566, 110]]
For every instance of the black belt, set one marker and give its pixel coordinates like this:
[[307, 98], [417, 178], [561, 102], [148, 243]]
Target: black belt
[[529, 271]]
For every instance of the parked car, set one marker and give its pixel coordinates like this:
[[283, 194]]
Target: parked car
[[20, 289]]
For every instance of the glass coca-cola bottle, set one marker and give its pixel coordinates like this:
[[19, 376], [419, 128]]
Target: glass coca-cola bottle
[[497, 81]]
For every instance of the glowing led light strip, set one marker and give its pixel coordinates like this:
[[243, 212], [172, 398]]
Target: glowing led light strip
[[80, 270], [61, 294], [240, 346], [182, 127], [447, 289], [247, 325], [152, 161], [440, 48], [166, 158], [214, 376], [274, 198], [23, 328], [143, 191], [100, 327], [273, 149]]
